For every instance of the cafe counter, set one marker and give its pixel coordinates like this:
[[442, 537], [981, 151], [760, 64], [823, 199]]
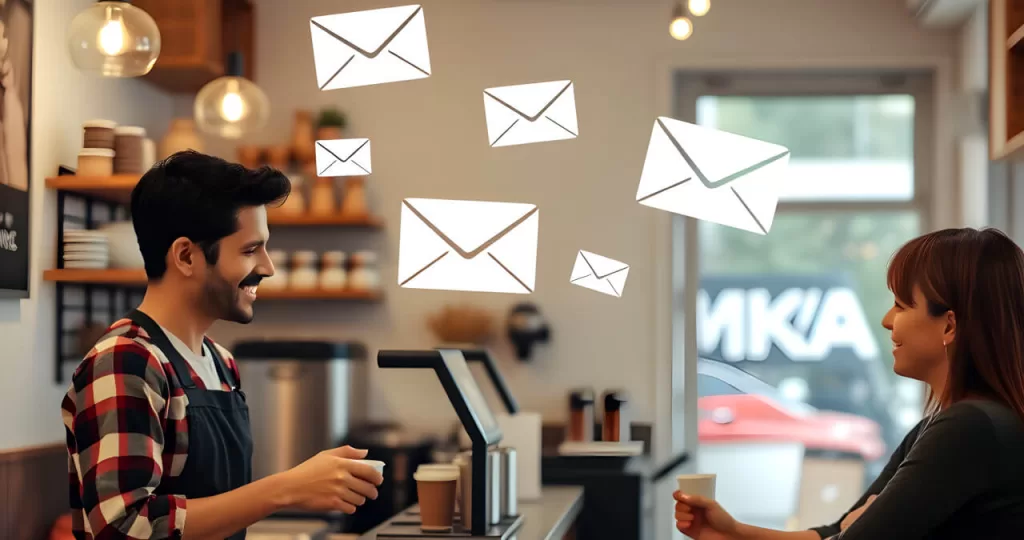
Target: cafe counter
[[551, 517]]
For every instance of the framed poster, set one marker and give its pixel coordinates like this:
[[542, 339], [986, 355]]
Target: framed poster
[[15, 129]]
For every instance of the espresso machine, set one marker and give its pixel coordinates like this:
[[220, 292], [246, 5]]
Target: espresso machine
[[488, 501]]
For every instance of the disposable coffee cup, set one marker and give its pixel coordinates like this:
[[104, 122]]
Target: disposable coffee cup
[[377, 465], [697, 484], [435, 488]]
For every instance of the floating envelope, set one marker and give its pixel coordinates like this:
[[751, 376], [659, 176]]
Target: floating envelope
[[530, 113], [343, 157], [468, 246], [370, 47], [712, 175], [599, 273]]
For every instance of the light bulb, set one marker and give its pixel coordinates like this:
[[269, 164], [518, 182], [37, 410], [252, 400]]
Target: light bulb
[[111, 37], [699, 8], [232, 106], [681, 28]]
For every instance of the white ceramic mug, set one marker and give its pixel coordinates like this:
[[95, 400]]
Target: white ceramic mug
[[697, 484]]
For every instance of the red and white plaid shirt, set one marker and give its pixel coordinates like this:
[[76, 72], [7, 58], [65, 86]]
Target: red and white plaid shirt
[[124, 416]]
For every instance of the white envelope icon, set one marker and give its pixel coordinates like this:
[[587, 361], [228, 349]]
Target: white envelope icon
[[468, 246], [599, 273], [343, 157], [370, 47], [530, 113], [712, 175]]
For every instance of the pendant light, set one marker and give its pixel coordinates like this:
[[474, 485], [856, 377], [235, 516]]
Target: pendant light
[[231, 106], [113, 38], [681, 27], [699, 8]]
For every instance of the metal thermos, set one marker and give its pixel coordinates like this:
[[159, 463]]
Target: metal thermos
[[494, 488], [509, 496]]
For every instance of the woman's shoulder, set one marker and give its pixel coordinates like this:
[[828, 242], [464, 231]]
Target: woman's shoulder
[[985, 418]]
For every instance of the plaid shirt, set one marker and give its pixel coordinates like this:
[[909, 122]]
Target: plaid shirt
[[124, 416]]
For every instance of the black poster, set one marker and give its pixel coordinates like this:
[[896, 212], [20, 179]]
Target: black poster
[[15, 130]]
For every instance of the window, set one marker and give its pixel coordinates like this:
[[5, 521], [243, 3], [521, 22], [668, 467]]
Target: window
[[710, 386], [799, 309]]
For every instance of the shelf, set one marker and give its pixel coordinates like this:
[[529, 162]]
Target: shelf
[[337, 220], [99, 277], [130, 277], [1015, 38], [117, 188]]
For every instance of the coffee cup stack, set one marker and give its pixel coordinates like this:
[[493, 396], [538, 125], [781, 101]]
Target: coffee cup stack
[[129, 144]]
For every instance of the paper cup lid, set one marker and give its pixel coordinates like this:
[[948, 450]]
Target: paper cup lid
[[438, 467], [96, 152], [436, 475], [130, 130], [109, 124]]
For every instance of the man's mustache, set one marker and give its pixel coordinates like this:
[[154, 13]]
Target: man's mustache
[[251, 280]]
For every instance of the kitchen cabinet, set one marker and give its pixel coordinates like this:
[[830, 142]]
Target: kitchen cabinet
[[1006, 79], [195, 39]]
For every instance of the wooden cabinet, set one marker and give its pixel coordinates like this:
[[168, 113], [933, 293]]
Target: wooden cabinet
[[196, 37], [1006, 79]]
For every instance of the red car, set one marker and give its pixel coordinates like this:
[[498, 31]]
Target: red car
[[736, 406]]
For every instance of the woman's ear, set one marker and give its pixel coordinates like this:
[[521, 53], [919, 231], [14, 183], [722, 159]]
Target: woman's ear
[[949, 332]]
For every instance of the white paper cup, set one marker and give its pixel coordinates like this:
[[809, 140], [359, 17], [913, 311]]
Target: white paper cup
[[377, 465], [697, 484]]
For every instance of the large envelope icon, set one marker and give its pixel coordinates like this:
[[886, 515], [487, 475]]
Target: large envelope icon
[[599, 273], [530, 113], [343, 157], [370, 47], [477, 246], [712, 175]]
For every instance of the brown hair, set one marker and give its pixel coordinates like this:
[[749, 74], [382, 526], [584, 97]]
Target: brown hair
[[979, 275]]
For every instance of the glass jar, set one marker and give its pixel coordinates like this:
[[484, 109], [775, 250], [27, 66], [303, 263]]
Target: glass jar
[[304, 274], [332, 271], [279, 280], [364, 276]]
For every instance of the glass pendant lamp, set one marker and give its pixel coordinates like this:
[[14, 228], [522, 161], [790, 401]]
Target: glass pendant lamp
[[231, 106], [113, 38]]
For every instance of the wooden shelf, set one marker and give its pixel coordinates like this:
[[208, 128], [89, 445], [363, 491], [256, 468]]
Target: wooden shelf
[[103, 277], [117, 188], [1015, 38], [337, 220], [1006, 79], [130, 277]]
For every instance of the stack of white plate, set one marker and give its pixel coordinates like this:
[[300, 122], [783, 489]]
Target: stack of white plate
[[85, 249]]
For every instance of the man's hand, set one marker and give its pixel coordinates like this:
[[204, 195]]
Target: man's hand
[[852, 516], [330, 480]]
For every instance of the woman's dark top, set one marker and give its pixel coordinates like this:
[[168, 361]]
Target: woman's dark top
[[957, 475]]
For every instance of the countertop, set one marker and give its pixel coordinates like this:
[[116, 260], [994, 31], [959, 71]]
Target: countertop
[[547, 518]]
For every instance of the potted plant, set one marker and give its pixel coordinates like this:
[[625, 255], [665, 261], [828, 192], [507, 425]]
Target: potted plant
[[329, 124]]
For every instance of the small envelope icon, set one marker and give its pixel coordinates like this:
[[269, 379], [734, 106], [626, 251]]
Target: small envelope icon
[[370, 47], [477, 246], [343, 157], [599, 273], [712, 175], [530, 113]]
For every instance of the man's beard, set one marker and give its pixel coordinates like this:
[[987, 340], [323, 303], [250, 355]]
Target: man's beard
[[222, 298]]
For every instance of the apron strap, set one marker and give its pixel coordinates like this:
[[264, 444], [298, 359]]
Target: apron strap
[[181, 368], [222, 369]]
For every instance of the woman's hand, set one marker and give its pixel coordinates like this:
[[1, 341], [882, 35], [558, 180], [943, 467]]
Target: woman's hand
[[331, 480], [703, 519], [852, 516]]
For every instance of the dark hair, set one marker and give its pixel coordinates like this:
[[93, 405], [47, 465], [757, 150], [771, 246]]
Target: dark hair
[[979, 275], [198, 197]]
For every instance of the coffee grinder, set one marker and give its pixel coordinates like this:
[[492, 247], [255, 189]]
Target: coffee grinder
[[485, 514]]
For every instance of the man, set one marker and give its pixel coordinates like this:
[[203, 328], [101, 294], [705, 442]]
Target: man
[[157, 425]]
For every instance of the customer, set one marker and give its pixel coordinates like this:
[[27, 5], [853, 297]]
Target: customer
[[157, 425], [957, 324]]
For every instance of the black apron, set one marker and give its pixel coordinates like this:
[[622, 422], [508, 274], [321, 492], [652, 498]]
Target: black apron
[[219, 440]]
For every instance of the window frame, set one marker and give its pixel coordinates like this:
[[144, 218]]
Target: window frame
[[684, 274]]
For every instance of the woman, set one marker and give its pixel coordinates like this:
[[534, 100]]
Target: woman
[[957, 324]]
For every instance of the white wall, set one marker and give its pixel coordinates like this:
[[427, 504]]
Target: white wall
[[429, 140], [62, 99]]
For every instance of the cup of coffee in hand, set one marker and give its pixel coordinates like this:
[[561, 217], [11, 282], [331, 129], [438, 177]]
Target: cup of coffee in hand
[[697, 484], [377, 465], [436, 490]]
